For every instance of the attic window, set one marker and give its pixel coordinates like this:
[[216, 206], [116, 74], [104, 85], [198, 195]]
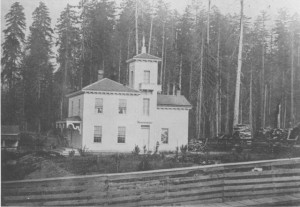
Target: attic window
[[99, 105]]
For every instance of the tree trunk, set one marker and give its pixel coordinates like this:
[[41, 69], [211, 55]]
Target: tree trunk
[[218, 106], [269, 105], [180, 73], [251, 102], [174, 88], [265, 105], [162, 56], [263, 112], [227, 104], [150, 36], [200, 88], [128, 46], [208, 14], [191, 79], [136, 28], [284, 115], [120, 59], [238, 76], [165, 68], [292, 83]]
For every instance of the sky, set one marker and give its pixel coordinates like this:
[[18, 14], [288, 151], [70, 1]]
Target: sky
[[252, 8]]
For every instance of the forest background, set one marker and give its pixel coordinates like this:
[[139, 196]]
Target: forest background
[[198, 47]]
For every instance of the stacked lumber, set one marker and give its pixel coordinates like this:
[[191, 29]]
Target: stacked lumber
[[243, 131]]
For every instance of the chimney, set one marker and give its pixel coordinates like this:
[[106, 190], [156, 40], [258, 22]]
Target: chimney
[[100, 74], [178, 92]]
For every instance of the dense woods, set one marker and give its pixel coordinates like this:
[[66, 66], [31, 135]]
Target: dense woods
[[199, 51]]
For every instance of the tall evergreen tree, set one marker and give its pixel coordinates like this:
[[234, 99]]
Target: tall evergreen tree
[[98, 24], [68, 55], [38, 72], [14, 38]]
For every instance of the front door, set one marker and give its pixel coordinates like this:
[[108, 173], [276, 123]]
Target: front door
[[145, 136]]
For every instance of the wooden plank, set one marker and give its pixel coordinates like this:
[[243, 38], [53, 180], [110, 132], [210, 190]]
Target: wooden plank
[[46, 197], [25, 204], [171, 180], [200, 203], [262, 180], [162, 195], [99, 177], [54, 183], [156, 175], [297, 195], [263, 163], [262, 173], [265, 200], [258, 186], [234, 204], [285, 198], [248, 202], [94, 201], [52, 190], [251, 193], [180, 199], [164, 187], [48, 185]]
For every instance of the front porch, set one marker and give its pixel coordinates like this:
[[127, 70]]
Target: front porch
[[71, 130]]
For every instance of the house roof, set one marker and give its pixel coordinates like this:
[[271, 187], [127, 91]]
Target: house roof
[[109, 85], [144, 56], [10, 130], [104, 84], [172, 101]]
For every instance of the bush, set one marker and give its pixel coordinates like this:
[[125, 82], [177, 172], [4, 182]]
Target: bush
[[183, 150], [83, 151], [144, 164], [156, 148], [136, 150], [117, 158], [72, 153], [176, 153]]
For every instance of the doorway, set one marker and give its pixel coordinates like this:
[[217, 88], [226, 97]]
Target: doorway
[[145, 133]]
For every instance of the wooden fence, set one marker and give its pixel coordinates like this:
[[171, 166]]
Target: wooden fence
[[214, 183]]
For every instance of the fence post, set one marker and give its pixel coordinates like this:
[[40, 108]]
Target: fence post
[[223, 186], [106, 189], [273, 177]]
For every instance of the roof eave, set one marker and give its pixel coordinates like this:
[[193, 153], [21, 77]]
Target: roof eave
[[175, 106], [122, 92], [143, 59], [76, 93]]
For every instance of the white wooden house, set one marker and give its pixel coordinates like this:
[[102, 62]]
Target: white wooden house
[[107, 116]]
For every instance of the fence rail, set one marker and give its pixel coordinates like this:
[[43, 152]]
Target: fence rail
[[214, 183]]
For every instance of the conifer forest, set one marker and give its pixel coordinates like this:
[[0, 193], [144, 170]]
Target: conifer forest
[[233, 69]]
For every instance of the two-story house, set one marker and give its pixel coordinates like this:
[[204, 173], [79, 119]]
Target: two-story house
[[107, 116]]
